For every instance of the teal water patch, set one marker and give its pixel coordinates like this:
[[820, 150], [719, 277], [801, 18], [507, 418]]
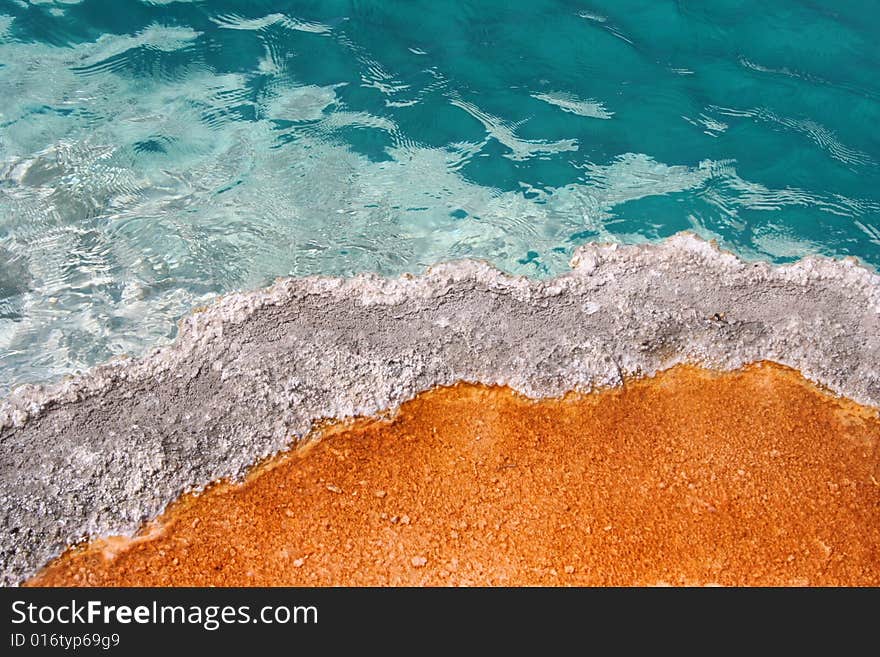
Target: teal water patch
[[156, 153]]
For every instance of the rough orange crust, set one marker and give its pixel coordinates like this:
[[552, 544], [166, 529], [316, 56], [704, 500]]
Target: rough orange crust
[[690, 477]]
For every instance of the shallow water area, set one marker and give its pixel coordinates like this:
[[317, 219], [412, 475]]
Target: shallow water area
[[154, 154]]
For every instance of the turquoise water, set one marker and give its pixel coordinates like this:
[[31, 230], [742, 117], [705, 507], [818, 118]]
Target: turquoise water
[[155, 154]]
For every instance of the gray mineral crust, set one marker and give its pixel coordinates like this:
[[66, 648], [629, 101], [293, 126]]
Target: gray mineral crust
[[100, 454]]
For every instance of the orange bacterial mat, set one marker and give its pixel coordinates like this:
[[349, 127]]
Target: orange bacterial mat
[[689, 477]]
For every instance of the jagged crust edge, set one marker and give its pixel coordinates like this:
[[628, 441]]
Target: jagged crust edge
[[29, 401]]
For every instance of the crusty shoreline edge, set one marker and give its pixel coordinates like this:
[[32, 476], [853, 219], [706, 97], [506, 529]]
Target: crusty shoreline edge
[[101, 453]]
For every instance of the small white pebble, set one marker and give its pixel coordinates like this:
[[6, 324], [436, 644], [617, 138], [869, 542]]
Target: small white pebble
[[418, 562]]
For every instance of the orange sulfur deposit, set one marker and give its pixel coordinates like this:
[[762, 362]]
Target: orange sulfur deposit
[[689, 477]]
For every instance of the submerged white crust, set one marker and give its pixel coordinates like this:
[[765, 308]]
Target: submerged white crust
[[101, 453]]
